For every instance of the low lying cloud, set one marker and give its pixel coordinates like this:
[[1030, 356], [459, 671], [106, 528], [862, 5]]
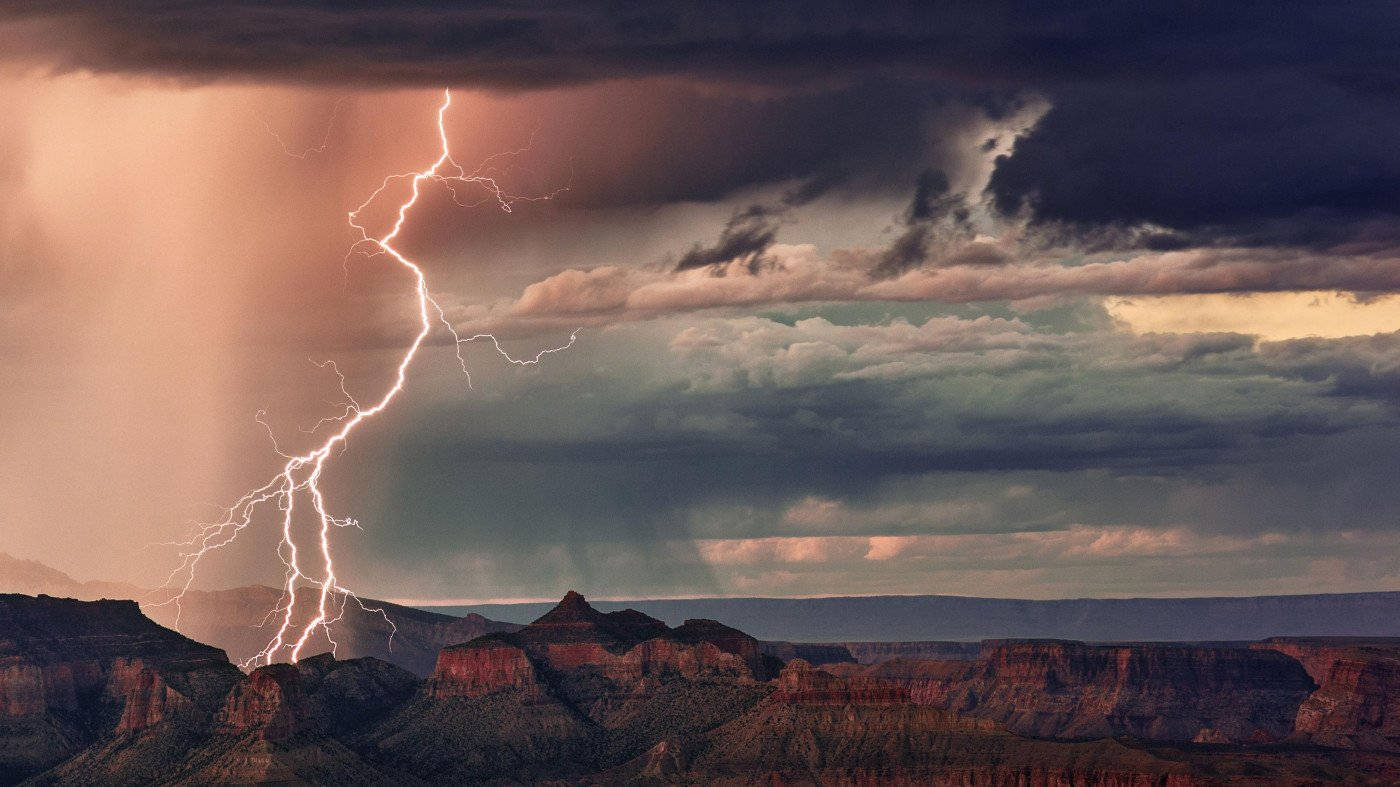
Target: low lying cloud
[[1076, 544], [814, 514], [800, 274]]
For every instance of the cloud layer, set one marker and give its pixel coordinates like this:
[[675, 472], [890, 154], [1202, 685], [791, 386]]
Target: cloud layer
[[843, 269]]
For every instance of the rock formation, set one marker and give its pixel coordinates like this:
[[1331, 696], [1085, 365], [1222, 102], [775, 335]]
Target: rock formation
[[72, 672], [1153, 691], [1357, 704], [95, 693]]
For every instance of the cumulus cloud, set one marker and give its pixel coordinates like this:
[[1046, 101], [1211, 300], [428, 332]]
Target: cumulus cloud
[[993, 451]]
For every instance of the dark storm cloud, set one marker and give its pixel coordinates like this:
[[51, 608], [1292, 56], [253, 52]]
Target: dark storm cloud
[[1256, 123], [514, 44], [1283, 156], [749, 233], [744, 239], [932, 203]]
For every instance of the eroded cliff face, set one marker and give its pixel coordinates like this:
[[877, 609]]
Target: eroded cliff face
[[1153, 691], [282, 723], [801, 683], [1357, 704], [72, 672], [582, 697], [927, 682], [270, 703], [483, 666], [144, 696], [822, 728]]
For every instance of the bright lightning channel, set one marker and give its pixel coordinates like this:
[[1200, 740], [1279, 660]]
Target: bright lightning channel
[[301, 475]]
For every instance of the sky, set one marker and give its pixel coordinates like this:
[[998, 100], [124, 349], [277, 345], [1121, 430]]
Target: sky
[[1001, 299]]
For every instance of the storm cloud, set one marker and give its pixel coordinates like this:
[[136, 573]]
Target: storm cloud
[[1212, 119], [872, 294]]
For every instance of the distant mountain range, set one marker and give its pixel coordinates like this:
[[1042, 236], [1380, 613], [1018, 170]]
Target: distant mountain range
[[861, 628], [914, 618]]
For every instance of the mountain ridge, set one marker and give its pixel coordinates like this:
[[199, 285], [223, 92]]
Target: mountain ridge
[[556, 702], [911, 618]]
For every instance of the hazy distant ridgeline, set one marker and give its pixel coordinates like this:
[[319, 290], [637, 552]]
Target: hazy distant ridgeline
[[909, 618], [835, 619]]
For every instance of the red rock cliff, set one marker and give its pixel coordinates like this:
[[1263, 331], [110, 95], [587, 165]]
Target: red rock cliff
[[482, 666], [801, 683], [1357, 704], [1154, 691], [72, 671]]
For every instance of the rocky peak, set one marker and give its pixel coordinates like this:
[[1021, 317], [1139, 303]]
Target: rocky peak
[[574, 622], [571, 609], [271, 702]]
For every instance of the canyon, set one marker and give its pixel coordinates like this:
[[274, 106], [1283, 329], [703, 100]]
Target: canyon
[[95, 692]]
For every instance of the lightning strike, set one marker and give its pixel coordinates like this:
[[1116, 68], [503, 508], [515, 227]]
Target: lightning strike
[[300, 476], [306, 153]]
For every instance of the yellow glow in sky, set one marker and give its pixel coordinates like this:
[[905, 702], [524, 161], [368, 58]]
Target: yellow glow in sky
[[1271, 316]]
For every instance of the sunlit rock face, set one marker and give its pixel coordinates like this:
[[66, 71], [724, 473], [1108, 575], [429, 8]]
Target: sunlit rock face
[[482, 666]]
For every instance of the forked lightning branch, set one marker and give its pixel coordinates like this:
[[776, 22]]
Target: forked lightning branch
[[296, 491]]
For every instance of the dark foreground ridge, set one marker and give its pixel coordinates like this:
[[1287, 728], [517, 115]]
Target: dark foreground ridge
[[96, 693]]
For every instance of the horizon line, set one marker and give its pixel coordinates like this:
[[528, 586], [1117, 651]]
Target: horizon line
[[509, 601]]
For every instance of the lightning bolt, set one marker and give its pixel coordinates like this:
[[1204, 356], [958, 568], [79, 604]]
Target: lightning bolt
[[306, 153], [298, 483]]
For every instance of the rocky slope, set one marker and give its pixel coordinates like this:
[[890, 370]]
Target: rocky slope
[[586, 697], [73, 672], [824, 729], [282, 723]]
